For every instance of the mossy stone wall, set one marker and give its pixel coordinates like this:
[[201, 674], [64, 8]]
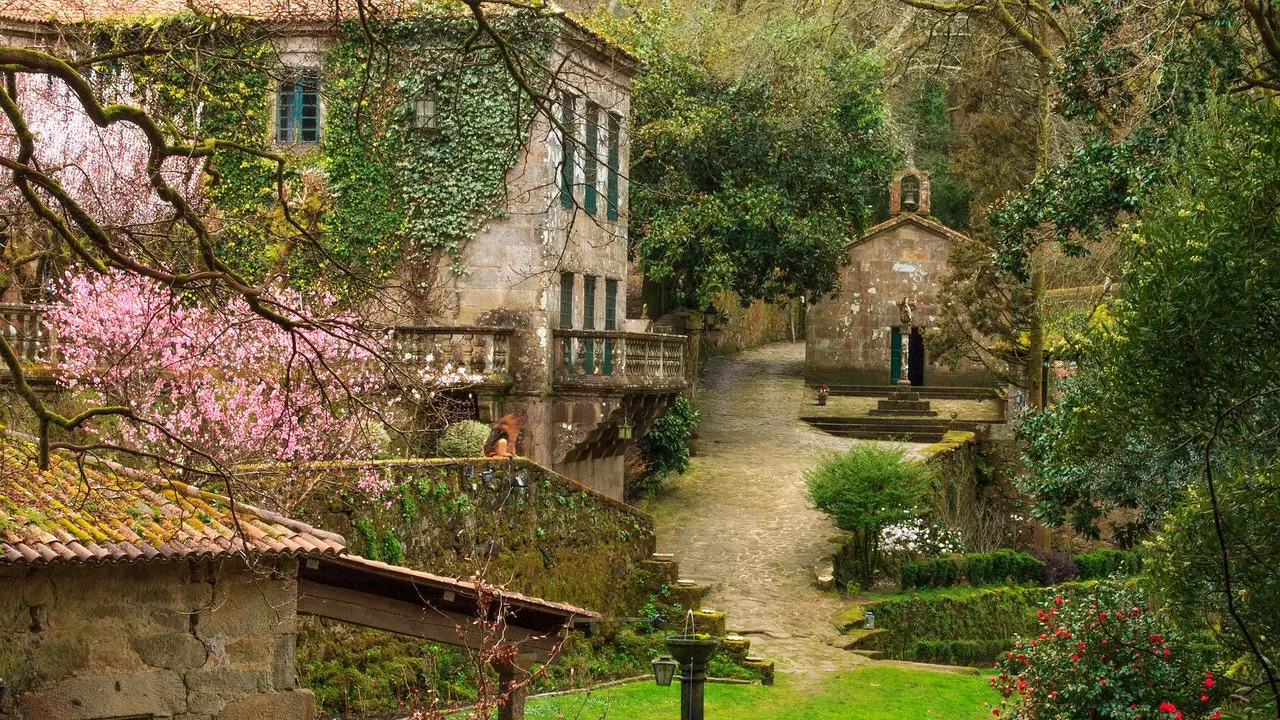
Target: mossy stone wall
[[551, 538]]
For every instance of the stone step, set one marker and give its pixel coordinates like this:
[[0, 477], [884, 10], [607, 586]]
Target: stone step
[[899, 412], [869, 654], [761, 665], [917, 405], [926, 391], [688, 594], [736, 648]]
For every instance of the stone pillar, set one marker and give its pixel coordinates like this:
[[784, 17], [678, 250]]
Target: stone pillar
[[510, 677], [904, 337], [693, 678]]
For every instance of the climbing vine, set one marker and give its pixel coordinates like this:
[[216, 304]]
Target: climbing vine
[[379, 192]]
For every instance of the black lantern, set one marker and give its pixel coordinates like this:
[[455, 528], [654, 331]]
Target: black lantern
[[664, 669], [624, 428]]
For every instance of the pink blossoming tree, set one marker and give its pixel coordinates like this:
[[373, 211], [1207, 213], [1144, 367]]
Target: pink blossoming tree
[[213, 388]]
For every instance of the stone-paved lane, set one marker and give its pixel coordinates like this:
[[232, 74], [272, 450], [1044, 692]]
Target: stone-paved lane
[[739, 519]]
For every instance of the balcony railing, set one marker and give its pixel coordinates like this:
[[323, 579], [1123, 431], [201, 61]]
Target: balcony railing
[[478, 350], [609, 357], [23, 328]]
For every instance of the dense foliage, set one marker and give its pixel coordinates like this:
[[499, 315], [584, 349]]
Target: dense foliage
[[1194, 331], [865, 490], [750, 180], [666, 444], [1101, 655]]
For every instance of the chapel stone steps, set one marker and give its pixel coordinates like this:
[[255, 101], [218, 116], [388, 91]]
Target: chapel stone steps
[[933, 393], [689, 595]]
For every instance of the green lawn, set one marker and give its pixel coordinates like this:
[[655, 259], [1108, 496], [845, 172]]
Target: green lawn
[[872, 693]]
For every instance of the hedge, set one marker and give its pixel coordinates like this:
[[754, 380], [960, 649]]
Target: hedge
[[958, 652], [1103, 563], [957, 627], [1006, 566], [995, 568]]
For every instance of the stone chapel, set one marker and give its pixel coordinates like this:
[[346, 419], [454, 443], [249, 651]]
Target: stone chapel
[[873, 330]]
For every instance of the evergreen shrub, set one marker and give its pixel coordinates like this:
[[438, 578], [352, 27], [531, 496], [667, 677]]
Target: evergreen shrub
[[463, 440], [1103, 563]]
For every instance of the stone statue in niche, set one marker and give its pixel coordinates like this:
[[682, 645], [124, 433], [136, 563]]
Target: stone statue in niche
[[905, 309]]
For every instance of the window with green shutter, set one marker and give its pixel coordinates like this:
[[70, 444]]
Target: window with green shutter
[[589, 322], [298, 108], [566, 319], [611, 183], [591, 165], [568, 139], [566, 300], [610, 321]]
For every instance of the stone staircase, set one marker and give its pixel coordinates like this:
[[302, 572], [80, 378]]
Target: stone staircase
[[931, 392], [664, 568], [903, 403]]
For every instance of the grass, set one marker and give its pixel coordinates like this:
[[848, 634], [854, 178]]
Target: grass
[[870, 693]]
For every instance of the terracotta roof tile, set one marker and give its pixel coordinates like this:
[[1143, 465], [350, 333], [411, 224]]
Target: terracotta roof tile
[[92, 513]]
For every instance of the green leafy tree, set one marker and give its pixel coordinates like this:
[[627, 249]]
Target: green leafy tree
[[750, 179], [865, 490]]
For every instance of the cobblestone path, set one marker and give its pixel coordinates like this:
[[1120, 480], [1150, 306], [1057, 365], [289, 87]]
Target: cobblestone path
[[739, 519]]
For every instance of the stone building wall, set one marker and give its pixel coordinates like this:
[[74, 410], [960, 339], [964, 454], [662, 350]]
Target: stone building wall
[[848, 336], [177, 639]]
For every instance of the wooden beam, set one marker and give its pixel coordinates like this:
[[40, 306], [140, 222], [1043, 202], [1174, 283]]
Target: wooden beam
[[412, 619]]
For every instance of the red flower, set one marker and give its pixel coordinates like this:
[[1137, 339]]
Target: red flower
[[1204, 698], [1168, 707], [1075, 658], [1216, 715], [995, 711], [1057, 600], [1208, 680]]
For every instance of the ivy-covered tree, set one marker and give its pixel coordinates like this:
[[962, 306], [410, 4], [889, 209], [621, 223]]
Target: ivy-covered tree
[[750, 179]]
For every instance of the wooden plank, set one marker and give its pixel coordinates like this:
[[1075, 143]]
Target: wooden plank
[[412, 619]]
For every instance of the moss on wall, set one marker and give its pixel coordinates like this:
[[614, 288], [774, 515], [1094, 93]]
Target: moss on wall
[[743, 328], [551, 538]]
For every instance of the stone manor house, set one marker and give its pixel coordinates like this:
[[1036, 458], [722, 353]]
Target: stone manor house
[[541, 311]]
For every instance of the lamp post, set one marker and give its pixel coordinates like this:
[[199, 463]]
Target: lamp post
[[690, 654]]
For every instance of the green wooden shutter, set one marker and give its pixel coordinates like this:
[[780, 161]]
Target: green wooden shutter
[[610, 321], [592, 164], [566, 318], [567, 140], [611, 184], [589, 321], [895, 356]]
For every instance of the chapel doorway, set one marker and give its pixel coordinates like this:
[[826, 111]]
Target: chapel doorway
[[915, 358]]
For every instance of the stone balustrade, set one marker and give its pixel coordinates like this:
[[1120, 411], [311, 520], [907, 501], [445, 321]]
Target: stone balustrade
[[608, 357], [482, 351], [23, 328]]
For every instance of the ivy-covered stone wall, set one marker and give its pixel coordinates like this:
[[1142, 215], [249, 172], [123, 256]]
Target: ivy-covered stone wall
[[514, 523]]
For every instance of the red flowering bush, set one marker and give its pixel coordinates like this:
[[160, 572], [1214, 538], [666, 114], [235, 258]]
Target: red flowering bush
[[1101, 655]]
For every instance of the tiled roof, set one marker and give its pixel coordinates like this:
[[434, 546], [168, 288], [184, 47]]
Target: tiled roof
[[931, 225], [89, 513], [70, 11]]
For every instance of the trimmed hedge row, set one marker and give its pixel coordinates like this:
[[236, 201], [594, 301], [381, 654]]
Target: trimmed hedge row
[[1103, 563], [1006, 566], [958, 652]]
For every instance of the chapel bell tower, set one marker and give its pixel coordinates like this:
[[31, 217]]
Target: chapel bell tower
[[909, 192]]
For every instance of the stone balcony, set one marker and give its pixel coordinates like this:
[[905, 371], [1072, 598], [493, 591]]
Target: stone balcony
[[23, 328], [609, 359], [482, 351]]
